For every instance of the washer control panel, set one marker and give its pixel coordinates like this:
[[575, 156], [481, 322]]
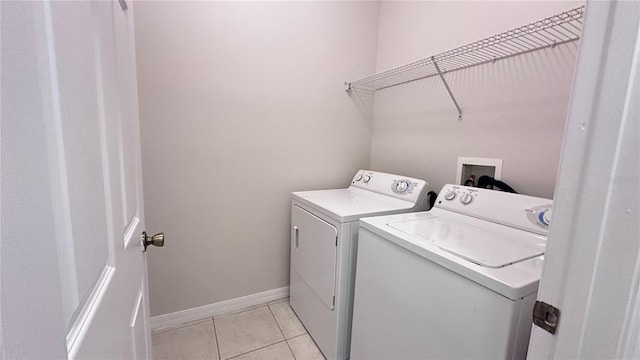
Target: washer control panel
[[463, 193], [516, 210], [398, 186]]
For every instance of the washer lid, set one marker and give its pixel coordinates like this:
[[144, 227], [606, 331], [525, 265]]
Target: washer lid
[[479, 245]]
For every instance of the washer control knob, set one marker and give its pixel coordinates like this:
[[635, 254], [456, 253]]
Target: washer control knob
[[402, 186], [466, 198], [366, 178], [544, 217], [359, 177], [450, 195]]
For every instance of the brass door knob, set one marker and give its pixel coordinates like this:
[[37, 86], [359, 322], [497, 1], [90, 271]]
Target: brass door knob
[[155, 240]]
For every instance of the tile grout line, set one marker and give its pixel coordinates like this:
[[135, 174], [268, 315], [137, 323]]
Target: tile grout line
[[277, 323], [260, 348], [297, 336], [282, 332], [300, 321], [318, 347], [306, 332], [297, 318], [249, 352], [312, 340], [237, 312], [215, 335], [291, 351]]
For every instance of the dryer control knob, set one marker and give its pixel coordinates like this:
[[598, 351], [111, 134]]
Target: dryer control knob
[[366, 178], [450, 195], [402, 186], [466, 199], [359, 177]]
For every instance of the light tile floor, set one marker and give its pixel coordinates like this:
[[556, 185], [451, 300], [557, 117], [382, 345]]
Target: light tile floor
[[270, 331]]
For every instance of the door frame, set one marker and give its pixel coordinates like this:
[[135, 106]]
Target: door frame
[[592, 263]]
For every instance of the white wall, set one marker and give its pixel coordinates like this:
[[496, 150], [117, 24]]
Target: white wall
[[240, 104], [514, 109]]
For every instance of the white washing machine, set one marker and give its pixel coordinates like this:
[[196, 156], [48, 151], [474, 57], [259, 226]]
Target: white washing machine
[[456, 282], [324, 239]]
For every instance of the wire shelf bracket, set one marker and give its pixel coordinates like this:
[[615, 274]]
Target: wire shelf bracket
[[446, 85], [562, 28]]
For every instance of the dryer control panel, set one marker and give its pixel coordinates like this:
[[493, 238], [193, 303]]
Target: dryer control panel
[[520, 211], [398, 186]]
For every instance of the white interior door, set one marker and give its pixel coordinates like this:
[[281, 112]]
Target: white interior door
[[592, 266], [69, 92]]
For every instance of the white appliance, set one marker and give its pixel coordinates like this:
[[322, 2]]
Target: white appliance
[[458, 281], [324, 239]]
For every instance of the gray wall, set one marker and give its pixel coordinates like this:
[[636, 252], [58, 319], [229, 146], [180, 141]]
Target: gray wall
[[514, 109], [241, 104]]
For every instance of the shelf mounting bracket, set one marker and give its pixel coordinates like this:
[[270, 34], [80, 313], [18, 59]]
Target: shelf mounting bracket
[[446, 85]]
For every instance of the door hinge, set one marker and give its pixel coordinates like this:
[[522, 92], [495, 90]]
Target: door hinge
[[334, 301], [546, 316], [336, 240]]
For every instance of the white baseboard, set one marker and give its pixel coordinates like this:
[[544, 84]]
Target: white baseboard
[[179, 318]]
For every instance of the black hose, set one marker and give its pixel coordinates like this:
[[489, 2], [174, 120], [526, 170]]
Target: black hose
[[487, 182], [432, 198]]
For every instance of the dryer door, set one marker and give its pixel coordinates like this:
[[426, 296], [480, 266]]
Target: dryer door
[[313, 253]]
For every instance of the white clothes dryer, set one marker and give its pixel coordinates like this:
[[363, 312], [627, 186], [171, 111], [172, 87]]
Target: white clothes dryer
[[324, 240], [456, 282]]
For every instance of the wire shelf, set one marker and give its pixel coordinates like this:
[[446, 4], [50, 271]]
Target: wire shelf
[[550, 32]]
